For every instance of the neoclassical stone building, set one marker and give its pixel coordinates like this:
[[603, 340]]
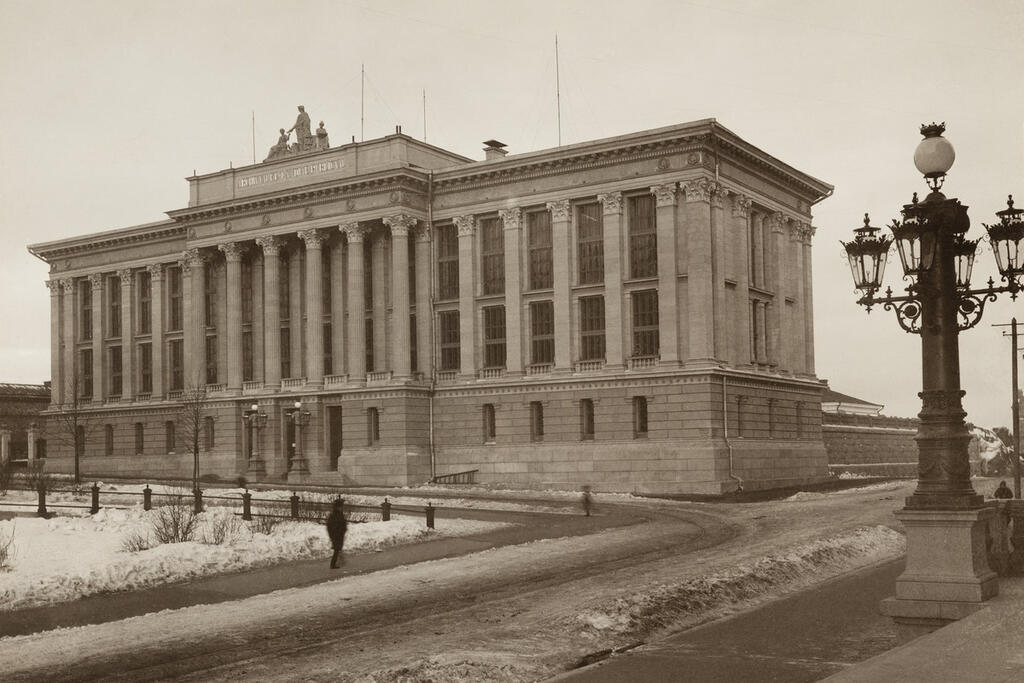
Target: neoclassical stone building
[[633, 313]]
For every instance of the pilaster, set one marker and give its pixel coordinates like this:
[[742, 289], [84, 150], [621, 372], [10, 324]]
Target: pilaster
[[424, 314], [611, 203], [99, 307], [776, 340], [560, 280], [741, 230], [127, 278], [193, 276], [809, 301], [340, 289], [379, 305], [720, 315], [355, 233], [232, 301], [466, 226], [512, 220], [56, 376], [156, 279], [699, 272], [400, 225], [271, 246], [314, 241], [71, 374]]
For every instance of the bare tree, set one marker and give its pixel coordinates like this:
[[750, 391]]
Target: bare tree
[[193, 422], [71, 424]]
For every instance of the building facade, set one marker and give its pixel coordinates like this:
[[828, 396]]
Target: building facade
[[633, 313], [22, 438]]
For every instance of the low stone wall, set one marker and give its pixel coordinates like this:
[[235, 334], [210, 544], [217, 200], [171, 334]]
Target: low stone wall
[[870, 445]]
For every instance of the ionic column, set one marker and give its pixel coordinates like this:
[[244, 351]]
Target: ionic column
[[156, 279], [98, 306], [741, 332], [379, 305], [56, 378], [271, 246], [668, 273], [400, 225], [776, 340], [339, 288], [613, 332], [808, 301], [314, 241], [719, 197], [560, 280], [127, 278], [233, 302], [466, 226], [424, 314], [356, 318], [513, 223], [71, 374], [193, 277]]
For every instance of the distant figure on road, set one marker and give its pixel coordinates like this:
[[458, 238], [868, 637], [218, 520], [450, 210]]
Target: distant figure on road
[[336, 527], [1003, 491], [587, 500]]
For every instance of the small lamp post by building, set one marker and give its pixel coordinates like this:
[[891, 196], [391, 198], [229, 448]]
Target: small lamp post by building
[[257, 421], [298, 467], [947, 574]]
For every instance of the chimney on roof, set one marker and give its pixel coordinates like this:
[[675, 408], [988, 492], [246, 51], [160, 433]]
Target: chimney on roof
[[494, 149]]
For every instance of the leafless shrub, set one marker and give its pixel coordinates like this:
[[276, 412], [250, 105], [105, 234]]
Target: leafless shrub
[[315, 508], [135, 542], [220, 529], [36, 476], [7, 549], [5, 475], [175, 521], [264, 525]]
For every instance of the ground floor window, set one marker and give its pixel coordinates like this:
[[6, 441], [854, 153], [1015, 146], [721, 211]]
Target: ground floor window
[[536, 421], [586, 419], [490, 430]]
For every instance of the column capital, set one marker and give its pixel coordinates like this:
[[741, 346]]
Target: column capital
[[156, 271], [190, 257], [354, 232], [466, 225], [125, 274], [719, 196], [271, 244], [96, 280], [777, 223], [232, 251], [804, 231], [54, 286], [421, 231], [512, 218], [559, 210], [313, 238], [612, 202], [698, 190], [741, 206], [68, 285], [665, 194], [400, 224]]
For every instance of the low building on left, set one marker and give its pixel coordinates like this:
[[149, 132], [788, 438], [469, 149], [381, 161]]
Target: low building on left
[[21, 434]]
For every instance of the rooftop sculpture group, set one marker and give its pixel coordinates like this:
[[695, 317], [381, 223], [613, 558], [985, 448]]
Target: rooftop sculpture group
[[305, 140]]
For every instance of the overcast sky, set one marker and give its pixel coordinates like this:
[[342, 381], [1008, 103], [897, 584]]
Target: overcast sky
[[105, 107]]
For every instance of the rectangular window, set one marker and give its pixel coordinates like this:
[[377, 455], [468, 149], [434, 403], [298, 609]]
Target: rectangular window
[[169, 435], [208, 433], [448, 323], [368, 278], [174, 297], [590, 244], [210, 295], [286, 352], [492, 252], [116, 378], [145, 302], [494, 337], [211, 359], [542, 332], [586, 419], [108, 439], [372, 426], [247, 356], [368, 339], [645, 323], [536, 421], [643, 237], [145, 368], [177, 354], [447, 262], [328, 338], [140, 438], [85, 361], [592, 328], [325, 280], [284, 287], [490, 430], [114, 287], [247, 271], [85, 309], [639, 417], [538, 239]]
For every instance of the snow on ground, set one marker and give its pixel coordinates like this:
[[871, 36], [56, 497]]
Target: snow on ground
[[821, 495], [66, 558]]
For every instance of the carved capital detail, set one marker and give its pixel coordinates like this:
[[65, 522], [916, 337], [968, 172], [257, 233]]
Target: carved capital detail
[[559, 210], [190, 257], [777, 223], [313, 238], [68, 285], [354, 232], [741, 206], [54, 286], [512, 218], [400, 224], [156, 271], [232, 251], [125, 274], [421, 231], [466, 225], [612, 202], [698, 190], [719, 196], [271, 244], [664, 195], [96, 280]]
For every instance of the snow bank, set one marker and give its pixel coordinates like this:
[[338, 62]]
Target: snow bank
[[820, 495]]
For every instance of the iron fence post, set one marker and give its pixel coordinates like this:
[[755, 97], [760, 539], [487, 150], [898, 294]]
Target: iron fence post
[[198, 493], [41, 510], [385, 511], [147, 498], [247, 506], [430, 515], [95, 499], [295, 505]]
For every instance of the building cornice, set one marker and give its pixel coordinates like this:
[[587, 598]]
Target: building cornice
[[98, 241]]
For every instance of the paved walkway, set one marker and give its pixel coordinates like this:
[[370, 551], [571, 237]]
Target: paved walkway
[[527, 526]]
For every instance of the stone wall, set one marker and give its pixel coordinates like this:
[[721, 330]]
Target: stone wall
[[871, 445]]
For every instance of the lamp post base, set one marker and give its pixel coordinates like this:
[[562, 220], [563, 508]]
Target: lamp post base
[[947, 575], [299, 471], [256, 467]]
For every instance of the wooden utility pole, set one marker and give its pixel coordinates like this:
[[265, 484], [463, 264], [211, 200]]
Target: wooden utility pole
[[1014, 350]]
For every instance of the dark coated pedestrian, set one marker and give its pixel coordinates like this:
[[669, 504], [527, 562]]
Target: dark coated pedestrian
[[1003, 491], [336, 527]]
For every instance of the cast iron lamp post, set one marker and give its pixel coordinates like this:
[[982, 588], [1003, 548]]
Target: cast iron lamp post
[[300, 418], [943, 516], [257, 421]]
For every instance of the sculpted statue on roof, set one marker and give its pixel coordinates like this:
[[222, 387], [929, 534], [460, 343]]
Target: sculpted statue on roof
[[305, 140]]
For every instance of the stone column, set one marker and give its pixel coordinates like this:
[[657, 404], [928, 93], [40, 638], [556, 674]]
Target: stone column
[[32, 433], [466, 226], [193, 276], [356, 319], [741, 332], [156, 279], [379, 305], [314, 306], [776, 340], [99, 305], [271, 246], [127, 277], [699, 293], [720, 315], [295, 331], [256, 286], [339, 288], [5, 445], [424, 312], [613, 333], [796, 329], [668, 273], [512, 219], [560, 280], [233, 301], [71, 374], [808, 301], [400, 225], [56, 378]]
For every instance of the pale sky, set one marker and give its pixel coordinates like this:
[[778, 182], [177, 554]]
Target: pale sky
[[105, 107]]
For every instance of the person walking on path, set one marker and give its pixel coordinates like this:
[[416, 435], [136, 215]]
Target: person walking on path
[[1003, 491], [587, 501], [336, 527]]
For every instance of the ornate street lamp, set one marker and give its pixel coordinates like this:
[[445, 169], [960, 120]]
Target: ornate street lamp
[[947, 574], [300, 418], [257, 421]]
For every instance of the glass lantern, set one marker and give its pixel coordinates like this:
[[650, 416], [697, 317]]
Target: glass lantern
[[867, 256]]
